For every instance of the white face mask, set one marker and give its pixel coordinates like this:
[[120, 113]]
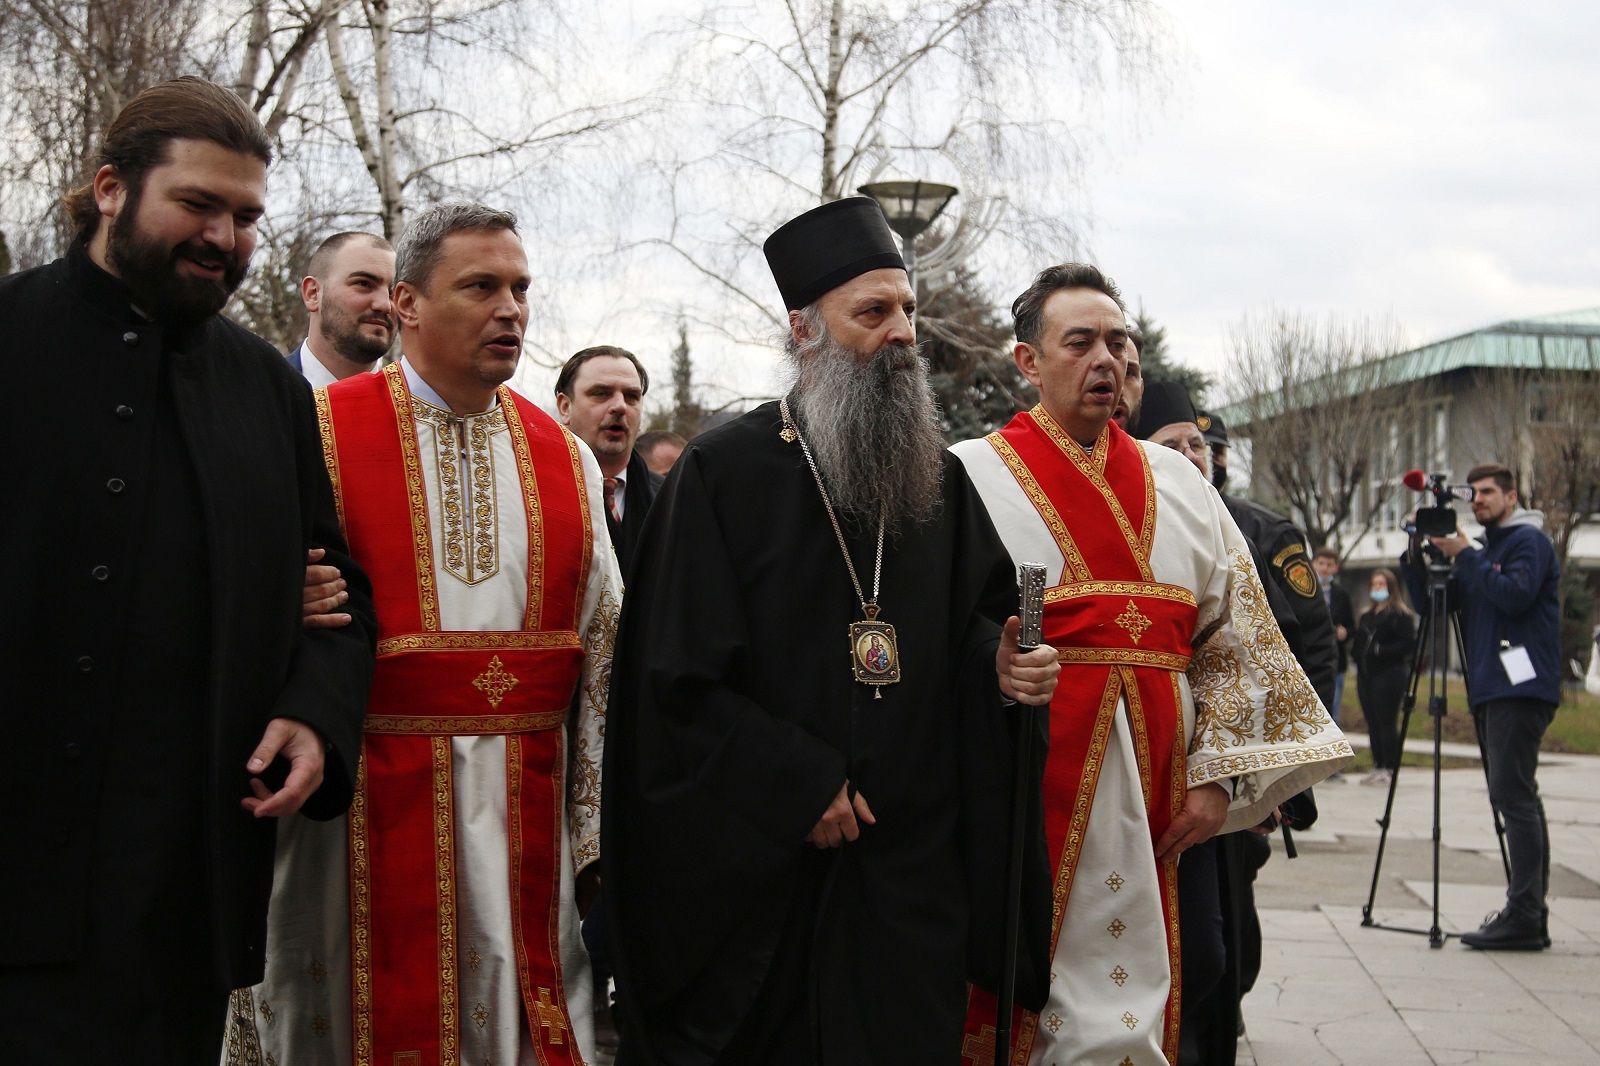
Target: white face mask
[[1379, 595]]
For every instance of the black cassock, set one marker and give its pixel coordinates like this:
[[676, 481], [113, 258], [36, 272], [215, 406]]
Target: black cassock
[[734, 720]]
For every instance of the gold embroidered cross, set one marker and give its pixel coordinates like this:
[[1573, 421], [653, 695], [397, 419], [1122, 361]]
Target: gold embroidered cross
[[316, 971], [1115, 882], [1054, 1023], [1129, 1020], [550, 1016], [1120, 976], [1134, 621], [494, 682], [1116, 928], [480, 1014], [979, 1048]]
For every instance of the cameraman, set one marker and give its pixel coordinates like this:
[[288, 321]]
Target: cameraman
[[1505, 595]]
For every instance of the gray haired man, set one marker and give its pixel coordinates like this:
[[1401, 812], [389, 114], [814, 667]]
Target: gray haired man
[[441, 923]]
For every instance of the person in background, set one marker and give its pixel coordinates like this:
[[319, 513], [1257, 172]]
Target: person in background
[[350, 319], [1325, 561], [599, 397], [660, 448], [1385, 640]]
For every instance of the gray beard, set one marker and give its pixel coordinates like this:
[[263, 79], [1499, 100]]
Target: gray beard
[[873, 428]]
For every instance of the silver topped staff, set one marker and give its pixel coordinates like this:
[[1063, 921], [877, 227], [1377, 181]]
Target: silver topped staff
[[1030, 611]]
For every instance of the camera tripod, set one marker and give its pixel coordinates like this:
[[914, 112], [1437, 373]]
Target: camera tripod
[[1433, 642]]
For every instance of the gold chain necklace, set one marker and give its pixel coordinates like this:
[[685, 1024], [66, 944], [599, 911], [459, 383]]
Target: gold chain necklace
[[874, 653]]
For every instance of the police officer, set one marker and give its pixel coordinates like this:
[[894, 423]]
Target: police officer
[[1221, 933]]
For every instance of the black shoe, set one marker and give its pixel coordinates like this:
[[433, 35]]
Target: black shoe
[[1502, 931], [1544, 928]]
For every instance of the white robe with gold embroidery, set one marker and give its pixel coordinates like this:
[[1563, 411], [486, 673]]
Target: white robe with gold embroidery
[[1249, 713], [300, 1015]]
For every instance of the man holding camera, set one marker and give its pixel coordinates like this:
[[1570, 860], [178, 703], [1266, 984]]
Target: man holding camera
[[1505, 594]]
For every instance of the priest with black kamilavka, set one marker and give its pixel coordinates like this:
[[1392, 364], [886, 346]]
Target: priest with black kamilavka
[[808, 756]]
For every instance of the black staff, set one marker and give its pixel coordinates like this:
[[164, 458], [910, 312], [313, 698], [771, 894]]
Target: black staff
[[1030, 585]]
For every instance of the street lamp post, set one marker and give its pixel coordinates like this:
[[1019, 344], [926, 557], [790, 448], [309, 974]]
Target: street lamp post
[[911, 207]]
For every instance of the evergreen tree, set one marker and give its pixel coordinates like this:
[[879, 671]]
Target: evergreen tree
[[686, 416], [967, 343], [1157, 364]]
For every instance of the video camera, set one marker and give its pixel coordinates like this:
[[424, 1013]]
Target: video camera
[[1440, 519]]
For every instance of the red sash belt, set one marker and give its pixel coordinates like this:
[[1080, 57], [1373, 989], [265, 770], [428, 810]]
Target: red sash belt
[[432, 685], [1124, 638]]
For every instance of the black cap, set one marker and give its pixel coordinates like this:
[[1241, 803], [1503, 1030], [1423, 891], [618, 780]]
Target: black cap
[[827, 246], [1165, 402], [1213, 428]]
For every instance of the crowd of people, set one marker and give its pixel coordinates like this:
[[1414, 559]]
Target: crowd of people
[[371, 714]]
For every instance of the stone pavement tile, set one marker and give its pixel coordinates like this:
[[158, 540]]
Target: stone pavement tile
[[1532, 1035], [1564, 967], [1479, 1058], [1329, 991], [1487, 991], [1577, 1006], [1355, 1041], [1278, 924], [1315, 1004]]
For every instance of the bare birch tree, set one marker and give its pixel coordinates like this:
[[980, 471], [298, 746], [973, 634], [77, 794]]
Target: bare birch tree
[[800, 98], [1327, 423], [1544, 423], [409, 73]]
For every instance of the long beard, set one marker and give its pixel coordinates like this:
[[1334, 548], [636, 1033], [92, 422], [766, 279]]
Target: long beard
[[873, 428]]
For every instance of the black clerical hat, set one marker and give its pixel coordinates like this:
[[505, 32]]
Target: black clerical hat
[[1213, 428], [1165, 402], [827, 246]]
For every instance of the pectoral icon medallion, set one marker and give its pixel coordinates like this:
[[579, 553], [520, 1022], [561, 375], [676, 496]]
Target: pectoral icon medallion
[[874, 653]]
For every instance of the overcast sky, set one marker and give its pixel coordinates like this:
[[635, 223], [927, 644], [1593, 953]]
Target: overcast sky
[[1434, 162], [1430, 162]]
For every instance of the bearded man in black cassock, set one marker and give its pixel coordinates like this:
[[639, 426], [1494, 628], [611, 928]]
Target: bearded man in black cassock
[[808, 759]]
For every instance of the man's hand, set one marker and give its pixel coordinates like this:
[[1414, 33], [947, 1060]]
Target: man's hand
[[1205, 807], [1341, 634], [324, 591], [1453, 545], [303, 747], [1027, 677], [839, 822], [1269, 825]]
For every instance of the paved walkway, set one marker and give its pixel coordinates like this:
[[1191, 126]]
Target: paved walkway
[[1334, 992]]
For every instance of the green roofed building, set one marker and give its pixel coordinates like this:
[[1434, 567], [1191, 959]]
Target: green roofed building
[[1524, 392]]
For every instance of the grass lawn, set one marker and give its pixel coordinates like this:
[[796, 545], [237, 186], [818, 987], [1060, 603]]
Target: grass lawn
[[1576, 729]]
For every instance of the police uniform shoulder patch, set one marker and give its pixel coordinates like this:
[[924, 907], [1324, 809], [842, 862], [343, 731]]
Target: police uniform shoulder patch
[[1298, 573]]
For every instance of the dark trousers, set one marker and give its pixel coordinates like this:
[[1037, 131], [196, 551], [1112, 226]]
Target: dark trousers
[[1511, 731], [1380, 692]]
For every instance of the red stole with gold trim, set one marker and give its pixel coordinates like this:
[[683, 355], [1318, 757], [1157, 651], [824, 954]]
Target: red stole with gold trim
[[431, 685], [1122, 635]]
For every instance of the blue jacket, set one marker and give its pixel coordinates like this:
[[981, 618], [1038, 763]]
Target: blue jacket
[[1505, 595]]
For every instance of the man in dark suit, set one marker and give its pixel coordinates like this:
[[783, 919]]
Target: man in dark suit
[[164, 705], [350, 319], [1326, 563], [599, 395]]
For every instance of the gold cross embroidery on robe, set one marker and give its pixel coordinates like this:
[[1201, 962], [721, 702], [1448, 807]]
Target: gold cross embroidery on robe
[[1134, 621], [495, 682], [979, 1047], [550, 1018]]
